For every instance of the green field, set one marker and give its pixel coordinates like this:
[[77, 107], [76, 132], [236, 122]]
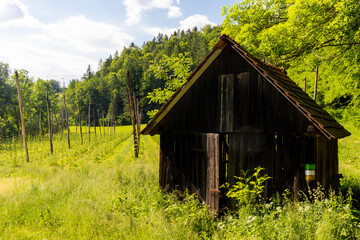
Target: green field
[[98, 190]]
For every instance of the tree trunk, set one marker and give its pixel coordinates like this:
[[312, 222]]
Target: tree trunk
[[22, 118], [305, 84], [67, 120], [49, 121]]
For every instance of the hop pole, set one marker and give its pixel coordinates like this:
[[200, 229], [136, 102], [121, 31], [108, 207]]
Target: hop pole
[[23, 131]]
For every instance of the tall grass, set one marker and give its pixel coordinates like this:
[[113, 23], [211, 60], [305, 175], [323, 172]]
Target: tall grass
[[98, 190]]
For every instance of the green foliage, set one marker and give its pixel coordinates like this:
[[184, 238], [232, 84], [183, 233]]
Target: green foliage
[[300, 35], [173, 71], [323, 218], [248, 189]]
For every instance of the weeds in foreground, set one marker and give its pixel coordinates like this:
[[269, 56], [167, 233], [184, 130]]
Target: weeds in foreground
[[98, 190]]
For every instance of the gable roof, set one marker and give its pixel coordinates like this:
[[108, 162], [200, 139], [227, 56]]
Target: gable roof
[[277, 77]]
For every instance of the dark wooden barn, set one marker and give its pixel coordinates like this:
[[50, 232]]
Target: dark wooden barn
[[236, 113]]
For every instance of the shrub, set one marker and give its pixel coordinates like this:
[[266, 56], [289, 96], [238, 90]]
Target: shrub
[[249, 188]]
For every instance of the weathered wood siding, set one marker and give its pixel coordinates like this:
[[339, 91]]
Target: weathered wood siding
[[191, 161], [233, 119], [231, 96]]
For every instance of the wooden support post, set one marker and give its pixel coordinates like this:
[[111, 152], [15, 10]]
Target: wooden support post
[[40, 123], [31, 127], [57, 122], [103, 122], [66, 119], [138, 121], [62, 123], [212, 175], [316, 81], [76, 122], [89, 120], [108, 122], [132, 115], [49, 121], [17, 121], [94, 119], [22, 117], [100, 122], [80, 125], [113, 121]]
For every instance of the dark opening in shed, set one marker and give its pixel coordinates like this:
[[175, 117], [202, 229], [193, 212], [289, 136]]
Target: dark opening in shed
[[236, 113]]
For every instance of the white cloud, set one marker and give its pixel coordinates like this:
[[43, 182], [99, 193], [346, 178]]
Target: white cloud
[[190, 22], [14, 13], [86, 35], [196, 20], [10, 10], [155, 31], [174, 12], [135, 8], [40, 59], [62, 48]]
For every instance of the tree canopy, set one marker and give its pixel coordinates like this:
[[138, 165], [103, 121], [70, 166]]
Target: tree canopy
[[300, 35]]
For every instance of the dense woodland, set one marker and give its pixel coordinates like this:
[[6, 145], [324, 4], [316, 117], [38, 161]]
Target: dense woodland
[[105, 90], [296, 35]]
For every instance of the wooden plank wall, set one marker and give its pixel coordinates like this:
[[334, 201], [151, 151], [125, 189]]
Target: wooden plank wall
[[192, 161], [327, 163], [231, 97], [212, 178], [262, 127], [284, 157], [248, 151], [183, 163]]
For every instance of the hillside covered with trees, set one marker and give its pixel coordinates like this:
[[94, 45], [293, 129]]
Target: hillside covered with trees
[[296, 35], [156, 69]]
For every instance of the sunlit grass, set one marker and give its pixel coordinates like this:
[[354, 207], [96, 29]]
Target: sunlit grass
[[98, 190], [95, 190]]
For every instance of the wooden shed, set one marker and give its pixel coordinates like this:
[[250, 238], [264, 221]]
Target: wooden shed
[[236, 113]]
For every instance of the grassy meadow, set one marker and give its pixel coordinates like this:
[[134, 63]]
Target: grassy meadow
[[98, 190]]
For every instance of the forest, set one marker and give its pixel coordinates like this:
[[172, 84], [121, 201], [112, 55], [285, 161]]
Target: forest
[[104, 90], [327, 37], [305, 37]]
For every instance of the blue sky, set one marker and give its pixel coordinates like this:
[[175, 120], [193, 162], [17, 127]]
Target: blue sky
[[57, 39]]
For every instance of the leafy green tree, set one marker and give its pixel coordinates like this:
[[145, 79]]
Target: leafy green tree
[[300, 35], [173, 71], [6, 102]]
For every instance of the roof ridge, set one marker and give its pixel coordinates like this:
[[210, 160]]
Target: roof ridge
[[233, 42]]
